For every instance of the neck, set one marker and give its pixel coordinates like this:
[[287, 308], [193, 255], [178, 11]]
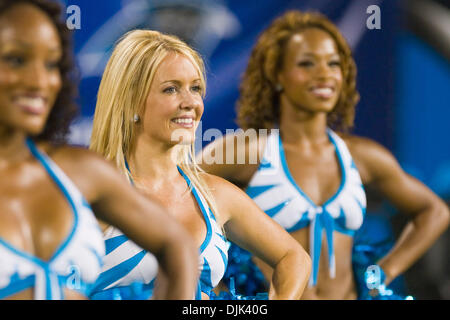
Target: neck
[[13, 148], [152, 161], [302, 127]]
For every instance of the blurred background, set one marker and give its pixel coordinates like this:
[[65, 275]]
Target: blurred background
[[403, 79]]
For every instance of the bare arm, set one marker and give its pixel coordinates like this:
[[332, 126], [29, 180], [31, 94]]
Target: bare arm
[[147, 224], [250, 228], [429, 215]]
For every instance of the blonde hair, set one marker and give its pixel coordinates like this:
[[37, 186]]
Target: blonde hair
[[122, 93]]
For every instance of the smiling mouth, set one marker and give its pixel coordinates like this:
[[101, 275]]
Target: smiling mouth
[[184, 122], [323, 92], [32, 105]]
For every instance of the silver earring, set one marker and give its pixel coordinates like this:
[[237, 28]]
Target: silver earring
[[136, 118], [278, 87]]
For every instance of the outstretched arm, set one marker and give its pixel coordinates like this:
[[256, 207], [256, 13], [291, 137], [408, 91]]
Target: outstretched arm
[[250, 228], [147, 224], [429, 215]]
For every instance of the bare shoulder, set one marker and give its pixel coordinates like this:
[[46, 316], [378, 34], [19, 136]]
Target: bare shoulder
[[366, 149], [235, 156], [219, 186], [372, 158], [226, 194], [76, 158], [88, 170], [359, 144]]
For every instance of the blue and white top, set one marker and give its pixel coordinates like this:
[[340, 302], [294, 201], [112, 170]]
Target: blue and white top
[[126, 264], [76, 263], [274, 190]]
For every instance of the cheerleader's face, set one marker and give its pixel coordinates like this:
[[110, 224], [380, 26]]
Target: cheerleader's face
[[311, 75], [174, 105], [30, 80]]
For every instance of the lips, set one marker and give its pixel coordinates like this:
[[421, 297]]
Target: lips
[[31, 104], [185, 122], [323, 91]]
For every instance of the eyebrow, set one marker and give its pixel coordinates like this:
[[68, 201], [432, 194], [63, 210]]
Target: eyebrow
[[177, 81], [313, 54], [26, 46]]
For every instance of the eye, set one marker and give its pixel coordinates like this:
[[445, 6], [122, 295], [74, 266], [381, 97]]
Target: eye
[[14, 60], [197, 88], [171, 89], [52, 65], [334, 63], [305, 63]]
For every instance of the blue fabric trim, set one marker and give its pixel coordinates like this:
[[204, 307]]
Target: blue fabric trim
[[61, 285], [255, 191], [113, 243], [23, 254], [202, 208], [198, 293], [340, 221], [129, 172], [224, 257], [211, 214], [265, 164], [288, 173], [17, 285], [342, 167], [119, 271], [315, 252], [205, 276], [46, 162], [302, 223], [48, 284], [292, 181], [133, 291], [221, 236], [273, 211]]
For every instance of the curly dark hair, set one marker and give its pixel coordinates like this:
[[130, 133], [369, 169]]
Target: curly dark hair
[[258, 104], [65, 108]]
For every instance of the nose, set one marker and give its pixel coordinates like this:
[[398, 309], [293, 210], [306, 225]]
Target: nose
[[323, 70], [190, 100], [37, 76]]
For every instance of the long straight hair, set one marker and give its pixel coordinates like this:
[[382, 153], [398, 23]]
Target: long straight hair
[[122, 93]]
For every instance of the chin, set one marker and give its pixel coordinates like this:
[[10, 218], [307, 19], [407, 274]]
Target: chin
[[326, 107], [34, 125], [186, 141], [182, 136], [34, 131], [31, 129]]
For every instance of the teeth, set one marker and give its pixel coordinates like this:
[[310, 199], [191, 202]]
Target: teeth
[[323, 91], [32, 102], [184, 121]]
